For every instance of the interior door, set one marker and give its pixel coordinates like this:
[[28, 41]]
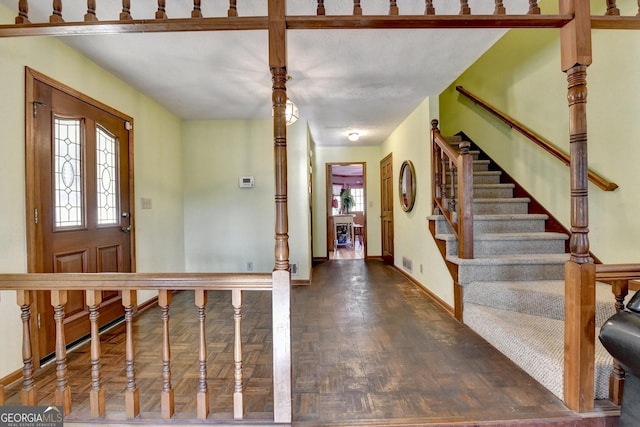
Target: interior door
[[81, 210], [386, 208]]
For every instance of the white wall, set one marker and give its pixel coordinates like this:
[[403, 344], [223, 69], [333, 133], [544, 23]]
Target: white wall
[[226, 226], [371, 157], [412, 239], [158, 167]]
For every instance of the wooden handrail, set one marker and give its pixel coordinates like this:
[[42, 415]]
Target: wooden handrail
[[606, 272], [596, 179], [136, 281]]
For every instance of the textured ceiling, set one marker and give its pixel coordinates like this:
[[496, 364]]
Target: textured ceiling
[[341, 80]]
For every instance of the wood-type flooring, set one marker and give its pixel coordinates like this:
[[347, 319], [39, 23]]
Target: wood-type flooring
[[369, 348]]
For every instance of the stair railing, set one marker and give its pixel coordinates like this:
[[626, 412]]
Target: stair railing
[[620, 277], [596, 179], [452, 188]]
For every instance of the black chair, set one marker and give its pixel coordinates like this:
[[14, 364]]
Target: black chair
[[620, 335]]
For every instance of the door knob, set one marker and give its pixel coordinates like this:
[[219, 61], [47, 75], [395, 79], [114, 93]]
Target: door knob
[[126, 229]]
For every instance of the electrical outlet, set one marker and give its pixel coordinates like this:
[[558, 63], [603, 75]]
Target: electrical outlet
[[250, 266], [294, 268]]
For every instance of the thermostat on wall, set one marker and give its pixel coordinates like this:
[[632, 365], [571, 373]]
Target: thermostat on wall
[[245, 182]]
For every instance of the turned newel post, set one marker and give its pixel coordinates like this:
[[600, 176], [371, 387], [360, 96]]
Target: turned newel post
[[279, 96], [612, 8], [28, 395], [579, 332], [357, 8], [320, 10], [499, 9], [56, 16], [23, 12], [534, 9], [63, 391], [281, 276]]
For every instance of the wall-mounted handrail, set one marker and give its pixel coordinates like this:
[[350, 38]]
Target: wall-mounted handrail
[[596, 179]]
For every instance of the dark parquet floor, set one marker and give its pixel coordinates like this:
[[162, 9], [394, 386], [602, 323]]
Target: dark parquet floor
[[369, 348]]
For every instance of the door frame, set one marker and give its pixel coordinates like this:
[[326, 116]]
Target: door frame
[[329, 197], [389, 259], [33, 187]]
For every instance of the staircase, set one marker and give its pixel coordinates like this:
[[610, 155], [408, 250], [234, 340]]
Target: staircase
[[513, 288]]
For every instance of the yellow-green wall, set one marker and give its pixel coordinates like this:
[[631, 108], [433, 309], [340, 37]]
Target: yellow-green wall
[[521, 76], [227, 226], [157, 154]]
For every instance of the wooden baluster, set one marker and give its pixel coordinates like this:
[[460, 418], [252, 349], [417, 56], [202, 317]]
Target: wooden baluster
[[196, 12], [452, 193], [500, 9], [96, 395], [320, 11], [620, 289], [56, 16], [167, 401], [28, 394], [203, 392], [233, 9], [90, 16], [428, 7], [132, 393], [612, 9], [393, 7], [125, 15], [464, 7], [23, 12], [238, 405], [534, 9], [357, 8], [161, 13], [63, 391], [443, 181]]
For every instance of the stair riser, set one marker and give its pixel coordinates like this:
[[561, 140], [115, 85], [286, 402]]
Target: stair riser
[[506, 247], [513, 272], [534, 303], [480, 208], [481, 178], [493, 193], [497, 226]]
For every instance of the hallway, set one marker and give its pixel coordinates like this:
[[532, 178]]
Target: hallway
[[369, 348]]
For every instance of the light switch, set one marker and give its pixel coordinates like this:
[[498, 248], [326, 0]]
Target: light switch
[[145, 202]]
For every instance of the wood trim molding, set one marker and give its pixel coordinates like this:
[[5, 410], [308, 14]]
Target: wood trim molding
[[439, 301]]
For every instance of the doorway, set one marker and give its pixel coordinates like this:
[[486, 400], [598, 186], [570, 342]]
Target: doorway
[[79, 194], [346, 210]]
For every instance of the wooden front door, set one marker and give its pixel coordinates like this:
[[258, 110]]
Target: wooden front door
[[386, 208], [79, 163]]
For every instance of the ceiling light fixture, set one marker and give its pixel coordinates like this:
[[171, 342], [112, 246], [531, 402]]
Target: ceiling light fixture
[[291, 112], [354, 136]]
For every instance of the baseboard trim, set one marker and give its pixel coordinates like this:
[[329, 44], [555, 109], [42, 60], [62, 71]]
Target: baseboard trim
[[147, 304], [300, 282], [11, 378], [446, 307]]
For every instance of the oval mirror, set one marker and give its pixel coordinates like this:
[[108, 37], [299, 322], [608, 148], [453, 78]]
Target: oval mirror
[[407, 187]]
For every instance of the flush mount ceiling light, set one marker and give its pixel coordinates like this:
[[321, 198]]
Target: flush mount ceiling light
[[291, 112], [354, 136]]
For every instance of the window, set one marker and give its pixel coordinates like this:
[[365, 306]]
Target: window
[[358, 197]]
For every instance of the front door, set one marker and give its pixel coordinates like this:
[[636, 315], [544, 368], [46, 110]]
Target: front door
[[386, 208], [78, 159]]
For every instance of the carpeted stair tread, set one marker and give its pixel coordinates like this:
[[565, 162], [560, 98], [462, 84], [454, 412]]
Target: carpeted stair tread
[[534, 343], [511, 259], [543, 235], [543, 298]]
